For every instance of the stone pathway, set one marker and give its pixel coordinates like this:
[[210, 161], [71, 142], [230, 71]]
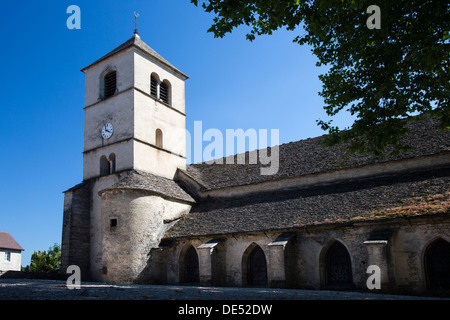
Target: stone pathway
[[25, 289]]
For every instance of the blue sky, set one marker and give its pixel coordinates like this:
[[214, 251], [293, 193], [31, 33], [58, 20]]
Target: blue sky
[[270, 83]]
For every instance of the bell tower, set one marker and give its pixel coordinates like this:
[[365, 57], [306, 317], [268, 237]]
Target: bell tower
[[134, 142], [134, 113]]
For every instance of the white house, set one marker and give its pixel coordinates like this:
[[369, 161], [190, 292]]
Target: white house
[[10, 253]]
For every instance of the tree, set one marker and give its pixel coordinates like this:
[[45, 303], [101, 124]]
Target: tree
[[383, 77], [46, 261]]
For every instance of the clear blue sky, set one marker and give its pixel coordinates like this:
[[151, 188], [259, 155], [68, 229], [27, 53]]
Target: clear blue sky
[[270, 83]]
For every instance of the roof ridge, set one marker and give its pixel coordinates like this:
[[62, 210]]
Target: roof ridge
[[8, 242]]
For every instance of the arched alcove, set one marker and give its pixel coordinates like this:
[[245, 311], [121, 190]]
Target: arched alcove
[[335, 265], [437, 265], [189, 266], [254, 267]]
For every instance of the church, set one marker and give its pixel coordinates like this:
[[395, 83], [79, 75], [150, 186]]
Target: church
[[142, 215]]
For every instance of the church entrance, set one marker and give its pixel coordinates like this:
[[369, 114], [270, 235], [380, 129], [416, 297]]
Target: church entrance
[[338, 266], [190, 267], [257, 268], [437, 264]]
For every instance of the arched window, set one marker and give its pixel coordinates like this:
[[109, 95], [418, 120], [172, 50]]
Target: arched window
[[160, 90], [109, 82], [159, 138], [437, 264], [154, 83], [112, 163], [189, 267], [104, 166], [164, 91], [338, 265]]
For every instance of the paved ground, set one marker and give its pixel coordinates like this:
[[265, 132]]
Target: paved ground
[[25, 289]]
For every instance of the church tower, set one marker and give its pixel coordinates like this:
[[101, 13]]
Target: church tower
[[134, 142], [134, 113]]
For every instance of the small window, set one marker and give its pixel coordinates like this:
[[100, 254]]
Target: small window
[[8, 256], [159, 138], [154, 87], [110, 84], [113, 222], [164, 92]]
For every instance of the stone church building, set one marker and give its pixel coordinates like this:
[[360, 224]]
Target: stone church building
[[141, 214]]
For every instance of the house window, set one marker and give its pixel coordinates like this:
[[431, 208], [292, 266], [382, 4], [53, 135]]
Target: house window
[[109, 84], [8, 256], [159, 138]]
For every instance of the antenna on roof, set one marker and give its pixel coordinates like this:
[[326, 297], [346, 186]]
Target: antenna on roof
[[136, 15]]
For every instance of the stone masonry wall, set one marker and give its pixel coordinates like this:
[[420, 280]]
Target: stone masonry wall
[[75, 245], [398, 246]]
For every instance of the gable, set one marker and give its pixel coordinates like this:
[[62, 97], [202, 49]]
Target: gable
[[8, 242]]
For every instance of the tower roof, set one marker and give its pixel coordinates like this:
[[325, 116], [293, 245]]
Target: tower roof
[[136, 41]]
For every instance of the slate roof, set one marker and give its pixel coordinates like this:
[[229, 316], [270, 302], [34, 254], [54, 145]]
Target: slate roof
[[136, 41], [139, 180], [309, 156], [412, 193], [382, 198], [8, 242]]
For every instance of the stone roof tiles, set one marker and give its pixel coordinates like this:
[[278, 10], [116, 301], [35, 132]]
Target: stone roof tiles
[[139, 180], [407, 194]]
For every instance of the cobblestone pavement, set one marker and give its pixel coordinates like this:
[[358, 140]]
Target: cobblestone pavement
[[24, 289]]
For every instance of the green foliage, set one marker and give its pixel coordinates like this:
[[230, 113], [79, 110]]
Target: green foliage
[[46, 261], [381, 76]]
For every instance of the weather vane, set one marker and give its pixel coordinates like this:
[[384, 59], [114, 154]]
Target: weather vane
[[136, 15]]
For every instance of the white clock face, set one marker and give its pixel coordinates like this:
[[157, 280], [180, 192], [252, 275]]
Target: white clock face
[[107, 130]]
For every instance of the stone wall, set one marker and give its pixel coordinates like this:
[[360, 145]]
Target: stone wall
[[398, 247], [75, 245], [140, 220]]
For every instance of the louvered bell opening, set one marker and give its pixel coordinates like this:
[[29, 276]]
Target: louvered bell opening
[[164, 92], [153, 86], [110, 84]]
